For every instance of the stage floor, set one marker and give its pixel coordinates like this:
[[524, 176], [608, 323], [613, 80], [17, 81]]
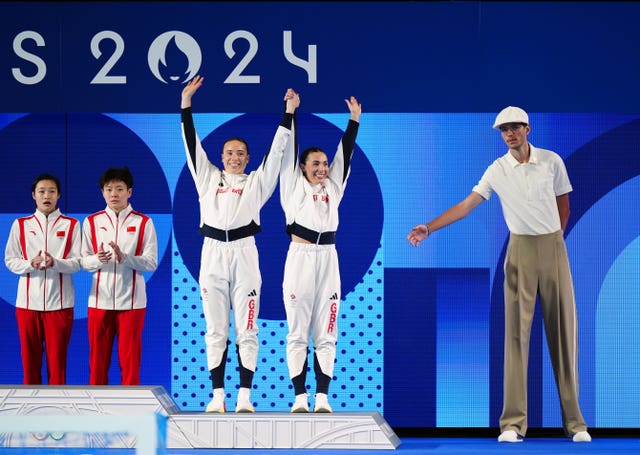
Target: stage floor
[[409, 446]]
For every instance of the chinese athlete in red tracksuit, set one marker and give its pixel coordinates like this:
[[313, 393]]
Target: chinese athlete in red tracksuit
[[310, 195], [230, 203], [118, 245], [44, 249]]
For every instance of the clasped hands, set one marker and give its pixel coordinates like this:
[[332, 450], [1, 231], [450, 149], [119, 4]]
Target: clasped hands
[[105, 256], [42, 261]]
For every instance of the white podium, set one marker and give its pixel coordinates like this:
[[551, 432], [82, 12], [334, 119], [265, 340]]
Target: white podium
[[263, 430]]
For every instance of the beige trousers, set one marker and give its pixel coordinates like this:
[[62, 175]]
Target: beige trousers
[[538, 265]]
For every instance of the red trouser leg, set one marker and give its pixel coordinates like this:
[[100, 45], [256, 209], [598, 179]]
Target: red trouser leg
[[57, 333], [31, 340], [102, 330], [130, 324]]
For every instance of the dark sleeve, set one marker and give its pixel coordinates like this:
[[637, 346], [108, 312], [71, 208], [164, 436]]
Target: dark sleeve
[[348, 145], [287, 120], [189, 131]]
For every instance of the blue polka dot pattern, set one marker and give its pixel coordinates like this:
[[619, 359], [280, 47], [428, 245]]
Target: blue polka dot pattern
[[358, 375]]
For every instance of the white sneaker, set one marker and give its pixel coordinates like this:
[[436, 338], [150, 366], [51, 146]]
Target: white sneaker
[[510, 436], [581, 436], [301, 404], [217, 402], [322, 403], [244, 401]]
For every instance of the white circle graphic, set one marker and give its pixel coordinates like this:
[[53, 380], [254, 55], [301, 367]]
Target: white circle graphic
[[183, 43]]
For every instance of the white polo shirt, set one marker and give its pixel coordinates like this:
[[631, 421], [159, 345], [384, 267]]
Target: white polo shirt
[[527, 191]]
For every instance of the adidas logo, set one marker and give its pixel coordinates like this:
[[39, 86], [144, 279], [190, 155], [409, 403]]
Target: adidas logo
[[252, 293], [334, 296]]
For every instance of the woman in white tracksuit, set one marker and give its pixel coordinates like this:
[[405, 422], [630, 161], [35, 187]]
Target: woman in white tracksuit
[[44, 249], [310, 195], [230, 203], [119, 244]]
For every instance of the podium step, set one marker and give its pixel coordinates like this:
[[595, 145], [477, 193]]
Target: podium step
[[264, 430]]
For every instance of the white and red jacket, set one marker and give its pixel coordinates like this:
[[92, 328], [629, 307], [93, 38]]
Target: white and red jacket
[[59, 235], [119, 285], [233, 201], [315, 207]]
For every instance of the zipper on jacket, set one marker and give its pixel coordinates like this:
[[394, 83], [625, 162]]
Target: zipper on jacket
[[46, 248]]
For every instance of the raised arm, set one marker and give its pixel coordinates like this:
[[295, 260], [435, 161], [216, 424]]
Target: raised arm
[[292, 101], [269, 170], [289, 168], [449, 216], [342, 161], [355, 108], [189, 90], [197, 160], [188, 129]]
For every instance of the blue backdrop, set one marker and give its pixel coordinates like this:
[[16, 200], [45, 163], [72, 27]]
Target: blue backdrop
[[86, 86]]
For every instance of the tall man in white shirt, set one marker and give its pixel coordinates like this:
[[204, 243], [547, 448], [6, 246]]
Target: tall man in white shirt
[[533, 187]]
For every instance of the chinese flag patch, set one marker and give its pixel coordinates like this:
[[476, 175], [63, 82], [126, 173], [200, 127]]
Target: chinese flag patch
[[131, 229], [60, 234]]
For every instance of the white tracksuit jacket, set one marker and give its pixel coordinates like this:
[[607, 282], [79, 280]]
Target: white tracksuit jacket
[[119, 286], [231, 201], [59, 235], [312, 206]]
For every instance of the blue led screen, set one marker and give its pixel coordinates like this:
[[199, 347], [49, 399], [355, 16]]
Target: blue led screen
[[420, 329]]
